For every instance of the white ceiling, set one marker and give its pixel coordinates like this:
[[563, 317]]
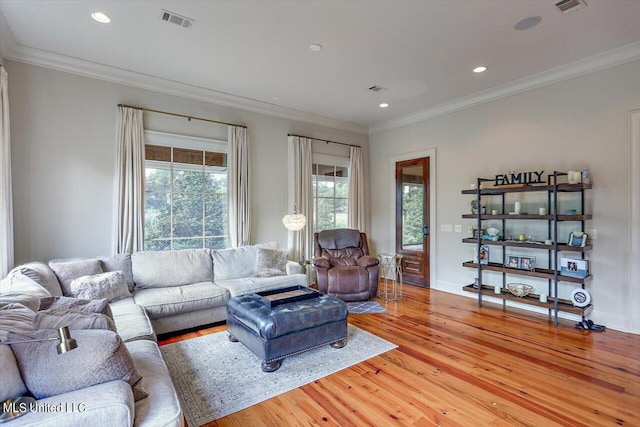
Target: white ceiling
[[422, 51]]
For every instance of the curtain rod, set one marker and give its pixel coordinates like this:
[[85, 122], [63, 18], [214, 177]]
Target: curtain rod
[[325, 140], [181, 115]]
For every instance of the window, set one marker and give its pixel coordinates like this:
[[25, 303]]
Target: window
[[185, 193], [330, 193]]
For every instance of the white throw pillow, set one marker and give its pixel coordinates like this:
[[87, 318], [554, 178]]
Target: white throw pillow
[[271, 262], [69, 271], [111, 286]]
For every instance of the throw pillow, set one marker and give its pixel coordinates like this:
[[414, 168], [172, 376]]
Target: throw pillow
[[111, 286], [68, 271], [19, 284], [271, 262], [120, 262], [15, 318], [42, 274], [100, 357], [57, 318], [90, 306]]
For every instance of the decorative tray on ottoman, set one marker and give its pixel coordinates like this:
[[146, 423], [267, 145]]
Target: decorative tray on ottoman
[[286, 295]]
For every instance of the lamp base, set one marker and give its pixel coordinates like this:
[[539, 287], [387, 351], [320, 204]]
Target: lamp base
[[15, 408]]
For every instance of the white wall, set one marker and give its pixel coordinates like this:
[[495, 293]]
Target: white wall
[[573, 124], [63, 150]]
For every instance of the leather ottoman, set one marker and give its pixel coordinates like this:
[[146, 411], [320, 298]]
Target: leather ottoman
[[274, 333]]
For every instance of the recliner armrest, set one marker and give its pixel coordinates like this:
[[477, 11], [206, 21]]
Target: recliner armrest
[[368, 261], [321, 262]]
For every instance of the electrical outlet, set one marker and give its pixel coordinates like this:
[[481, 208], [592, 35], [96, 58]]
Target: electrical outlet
[[458, 228], [593, 234], [447, 227]]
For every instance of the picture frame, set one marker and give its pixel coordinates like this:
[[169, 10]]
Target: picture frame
[[513, 261], [483, 257], [577, 239], [571, 267], [527, 263]]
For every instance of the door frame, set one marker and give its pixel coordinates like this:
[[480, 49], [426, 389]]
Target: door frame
[[431, 154]]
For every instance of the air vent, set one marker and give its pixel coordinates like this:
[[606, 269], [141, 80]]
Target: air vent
[[174, 18], [377, 88], [568, 6]]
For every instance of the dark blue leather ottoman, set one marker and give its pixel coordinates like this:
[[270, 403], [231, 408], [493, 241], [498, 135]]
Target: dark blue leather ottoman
[[288, 329]]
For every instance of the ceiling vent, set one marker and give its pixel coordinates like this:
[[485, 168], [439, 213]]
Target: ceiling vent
[[174, 18], [376, 88], [568, 6]]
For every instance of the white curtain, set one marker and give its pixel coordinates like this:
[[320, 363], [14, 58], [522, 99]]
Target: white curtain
[[238, 192], [6, 198], [356, 190], [129, 191], [301, 196]]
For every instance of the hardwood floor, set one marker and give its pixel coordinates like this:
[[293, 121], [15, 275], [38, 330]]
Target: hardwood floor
[[457, 365]]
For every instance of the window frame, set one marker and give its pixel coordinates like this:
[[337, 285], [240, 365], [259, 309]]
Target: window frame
[[192, 143], [335, 161]]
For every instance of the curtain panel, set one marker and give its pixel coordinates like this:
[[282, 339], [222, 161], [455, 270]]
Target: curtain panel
[[129, 190], [6, 197], [239, 225], [301, 196], [356, 190]]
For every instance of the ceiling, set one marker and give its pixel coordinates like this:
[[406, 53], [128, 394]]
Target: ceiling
[[256, 53]]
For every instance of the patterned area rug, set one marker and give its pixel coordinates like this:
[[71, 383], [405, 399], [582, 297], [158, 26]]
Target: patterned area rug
[[215, 377], [365, 307]]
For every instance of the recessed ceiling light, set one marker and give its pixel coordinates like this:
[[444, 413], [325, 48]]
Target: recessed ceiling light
[[384, 105], [527, 23], [316, 47], [480, 69], [101, 17]]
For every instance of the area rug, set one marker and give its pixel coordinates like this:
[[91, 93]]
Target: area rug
[[365, 307], [215, 377]]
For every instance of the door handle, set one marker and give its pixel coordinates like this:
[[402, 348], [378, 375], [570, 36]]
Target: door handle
[[425, 230]]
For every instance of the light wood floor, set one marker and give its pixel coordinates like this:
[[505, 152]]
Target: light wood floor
[[457, 365]]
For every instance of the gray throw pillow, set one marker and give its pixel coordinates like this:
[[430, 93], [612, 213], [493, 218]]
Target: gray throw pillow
[[111, 286], [15, 318], [100, 357], [57, 318], [271, 262], [68, 271], [90, 306]]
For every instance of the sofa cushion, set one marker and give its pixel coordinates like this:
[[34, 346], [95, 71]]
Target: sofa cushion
[[68, 271], [160, 269], [132, 321], [11, 385], [250, 285], [163, 302], [120, 262], [162, 407], [111, 286], [234, 263], [101, 356], [91, 306], [42, 274], [57, 318], [271, 262], [30, 301]]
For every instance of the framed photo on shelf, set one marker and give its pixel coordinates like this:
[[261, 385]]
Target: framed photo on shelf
[[513, 261], [574, 267], [527, 263], [577, 238], [482, 257]]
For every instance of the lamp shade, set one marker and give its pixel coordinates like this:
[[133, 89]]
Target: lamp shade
[[294, 222]]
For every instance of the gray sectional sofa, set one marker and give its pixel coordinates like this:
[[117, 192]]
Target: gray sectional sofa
[[170, 291]]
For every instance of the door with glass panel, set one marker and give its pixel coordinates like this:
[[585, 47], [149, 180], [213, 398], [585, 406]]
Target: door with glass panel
[[412, 219]]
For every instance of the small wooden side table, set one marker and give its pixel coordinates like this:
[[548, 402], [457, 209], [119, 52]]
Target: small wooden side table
[[391, 274]]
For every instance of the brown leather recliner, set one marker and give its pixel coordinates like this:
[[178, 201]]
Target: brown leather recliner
[[344, 268]]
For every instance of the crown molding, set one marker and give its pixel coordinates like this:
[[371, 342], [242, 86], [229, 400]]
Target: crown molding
[[601, 61], [16, 52]]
